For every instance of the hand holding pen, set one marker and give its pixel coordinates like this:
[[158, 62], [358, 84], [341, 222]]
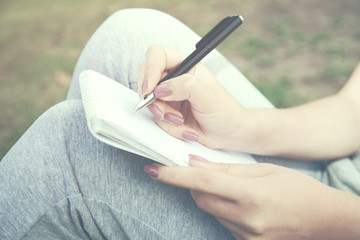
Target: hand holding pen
[[190, 105], [210, 41]]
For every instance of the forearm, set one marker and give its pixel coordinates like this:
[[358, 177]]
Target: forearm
[[324, 129]]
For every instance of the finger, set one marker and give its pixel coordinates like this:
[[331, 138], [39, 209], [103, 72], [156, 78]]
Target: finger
[[142, 85], [172, 121], [140, 79], [205, 181], [182, 132], [159, 59], [223, 210], [202, 93], [167, 112], [236, 229], [239, 170], [183, 87], [215, 205]]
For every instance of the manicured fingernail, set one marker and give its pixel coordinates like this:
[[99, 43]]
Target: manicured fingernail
[[152, 170], [144, 87], [190, 136], [174, 119], [163, 90], [197, 158], [155, 110]]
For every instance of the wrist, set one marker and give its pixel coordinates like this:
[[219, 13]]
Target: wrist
[[257, 130], [337, 218], [238, 138]]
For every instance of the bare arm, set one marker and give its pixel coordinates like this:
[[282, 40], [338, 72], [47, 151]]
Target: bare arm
[[195, 107], [324, 129], [257, 201]]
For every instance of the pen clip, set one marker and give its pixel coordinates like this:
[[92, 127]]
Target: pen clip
[[227, 21]]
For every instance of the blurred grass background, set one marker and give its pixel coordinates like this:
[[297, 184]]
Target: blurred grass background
[[293, 51]]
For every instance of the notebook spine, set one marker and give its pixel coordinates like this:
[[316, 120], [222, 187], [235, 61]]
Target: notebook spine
[[89, 97]]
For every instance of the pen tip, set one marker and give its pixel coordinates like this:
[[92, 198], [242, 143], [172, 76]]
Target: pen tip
[[138, 106], [142, 103], [145, 102]]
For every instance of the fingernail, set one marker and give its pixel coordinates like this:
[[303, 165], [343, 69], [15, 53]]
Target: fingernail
[[174, 119], [163, 90], [144, 87], [152, 170], [155, 110], [190, 136], [197, 158]]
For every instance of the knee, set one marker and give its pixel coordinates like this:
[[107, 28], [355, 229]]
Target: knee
[[137, 23], [48, 141], [135, 15], [64, 112], [60, 121]]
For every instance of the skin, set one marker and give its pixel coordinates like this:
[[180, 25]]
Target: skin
[[256, 201]]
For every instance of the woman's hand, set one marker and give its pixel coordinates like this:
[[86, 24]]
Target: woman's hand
[[193, 106], [264, 201]]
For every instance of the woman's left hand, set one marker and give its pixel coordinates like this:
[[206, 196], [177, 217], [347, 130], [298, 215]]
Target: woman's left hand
[[265, 201]]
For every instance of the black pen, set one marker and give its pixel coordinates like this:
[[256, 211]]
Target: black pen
[[210, 41]]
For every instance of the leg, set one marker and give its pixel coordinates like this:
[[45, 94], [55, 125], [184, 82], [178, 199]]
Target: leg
[[344, 174], [128, 34], [118, 48], [59, 182]]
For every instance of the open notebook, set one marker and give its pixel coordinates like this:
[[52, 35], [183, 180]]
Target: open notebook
[[109, 108]]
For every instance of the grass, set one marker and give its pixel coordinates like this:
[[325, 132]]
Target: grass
[[292, 51]]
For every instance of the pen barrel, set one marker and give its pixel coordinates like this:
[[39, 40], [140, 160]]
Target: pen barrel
[[189, 62], [223, 29], [206, 45]]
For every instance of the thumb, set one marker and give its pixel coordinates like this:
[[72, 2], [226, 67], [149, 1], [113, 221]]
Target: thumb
[[186, 87]]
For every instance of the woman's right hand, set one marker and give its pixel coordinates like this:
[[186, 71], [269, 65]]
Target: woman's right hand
[[193, 106]]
